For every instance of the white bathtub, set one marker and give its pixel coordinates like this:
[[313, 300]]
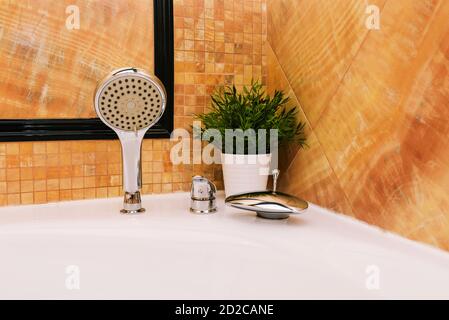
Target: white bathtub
[[86, 249]]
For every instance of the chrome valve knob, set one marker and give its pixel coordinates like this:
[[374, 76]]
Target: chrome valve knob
[[202, 196]]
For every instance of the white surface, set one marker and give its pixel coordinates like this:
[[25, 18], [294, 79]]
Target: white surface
[[171, 253], [244, 173]]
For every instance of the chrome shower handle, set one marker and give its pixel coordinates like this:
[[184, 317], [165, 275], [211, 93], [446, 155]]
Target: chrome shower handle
[[132, 170], [131, 156]]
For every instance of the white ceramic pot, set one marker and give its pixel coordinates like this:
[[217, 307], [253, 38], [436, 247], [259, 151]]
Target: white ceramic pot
[[244, 173]]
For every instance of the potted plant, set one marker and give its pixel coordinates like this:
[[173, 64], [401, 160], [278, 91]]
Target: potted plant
[[244, 119]]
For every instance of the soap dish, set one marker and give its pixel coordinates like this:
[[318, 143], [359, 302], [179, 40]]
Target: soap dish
[[268, 204]]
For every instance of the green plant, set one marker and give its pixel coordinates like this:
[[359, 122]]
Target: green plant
[[253, 109]]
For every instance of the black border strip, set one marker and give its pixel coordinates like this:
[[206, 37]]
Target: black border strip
[[94, 129]]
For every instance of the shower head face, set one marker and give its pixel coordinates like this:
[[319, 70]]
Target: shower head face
[[130, 100]]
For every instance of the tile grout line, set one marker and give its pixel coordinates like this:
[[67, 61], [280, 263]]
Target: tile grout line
[[318, 140], [346, 71], [337, 89], [299, 102]]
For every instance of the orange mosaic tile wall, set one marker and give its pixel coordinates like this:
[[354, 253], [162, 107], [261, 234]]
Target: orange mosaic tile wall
[[216, 42], [376, 108]]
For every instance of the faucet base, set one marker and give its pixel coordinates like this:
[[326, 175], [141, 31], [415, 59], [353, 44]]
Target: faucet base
[[124, 211], [203, 206], [132, 204]]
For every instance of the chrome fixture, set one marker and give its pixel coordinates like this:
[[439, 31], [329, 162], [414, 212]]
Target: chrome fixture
[[130, 101], [269, 204], [202, 196]]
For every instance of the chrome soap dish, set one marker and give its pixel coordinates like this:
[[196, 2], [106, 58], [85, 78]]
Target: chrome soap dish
[[268, 204]]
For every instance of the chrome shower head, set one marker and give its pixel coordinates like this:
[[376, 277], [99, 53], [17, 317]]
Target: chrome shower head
[[130, 101]]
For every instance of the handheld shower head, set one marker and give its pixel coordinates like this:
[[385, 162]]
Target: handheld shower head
[[130, 101]]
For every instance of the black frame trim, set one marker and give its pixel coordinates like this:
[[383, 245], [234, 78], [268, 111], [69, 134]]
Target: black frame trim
[[94, 129]]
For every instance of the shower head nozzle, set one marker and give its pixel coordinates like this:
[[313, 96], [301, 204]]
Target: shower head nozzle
[[130, 101]]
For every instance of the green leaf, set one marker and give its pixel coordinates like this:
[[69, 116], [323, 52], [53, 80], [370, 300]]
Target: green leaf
[[253, 108]]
